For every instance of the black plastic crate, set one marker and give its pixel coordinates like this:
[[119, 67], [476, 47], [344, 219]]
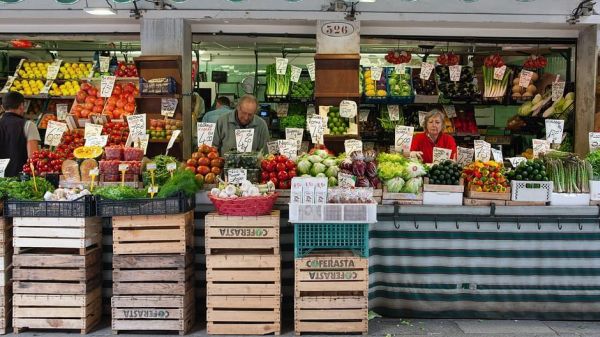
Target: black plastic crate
[[79, 208], [146, 206]]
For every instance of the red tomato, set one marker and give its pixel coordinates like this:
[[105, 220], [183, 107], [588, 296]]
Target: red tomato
[[264, 165], [271, 167], [290, 164], [284, 185], [282, 176], [281, 166], [274, 181], [281, 159], [264, 175], [292, 173], [272, 175]]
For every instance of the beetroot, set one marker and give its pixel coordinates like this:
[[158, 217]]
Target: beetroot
[[358, 168], [371, 170], [374, 182], [362, 181], [346, 164]]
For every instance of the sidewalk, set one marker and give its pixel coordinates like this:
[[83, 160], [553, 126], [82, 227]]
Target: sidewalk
[[413, 328]]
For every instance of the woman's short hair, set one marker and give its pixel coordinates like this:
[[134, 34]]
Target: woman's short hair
[[431, 114]]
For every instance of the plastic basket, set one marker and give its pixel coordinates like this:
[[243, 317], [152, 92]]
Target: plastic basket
[[244, 206], [333, 213], [79, 208], [168, 85], [317, 236], [147, 206], [531, 190]]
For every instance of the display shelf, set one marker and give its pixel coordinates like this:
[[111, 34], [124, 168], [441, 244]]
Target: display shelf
[[157, 96], [95, 79]]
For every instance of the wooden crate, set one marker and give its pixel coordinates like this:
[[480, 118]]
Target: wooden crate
[[6, 246], [472, 194], [153, 234], [483, 202], [331, 314], [232, 234], [525, 203], [243, 315], [389, 198], [171, 313], [243, 275], [169, 274], [427, 187], [77, 233], [77, 312], [326, 274], [5, 308], [66, 274]]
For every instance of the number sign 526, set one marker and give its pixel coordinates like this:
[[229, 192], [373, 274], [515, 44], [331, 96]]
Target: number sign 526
[[337, 29]]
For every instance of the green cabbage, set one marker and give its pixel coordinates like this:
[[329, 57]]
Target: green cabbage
[[332, 171], [412, 185], [413, 170], [332, 181], [315, 158], [321, 153], [317, 168], [321, 175], [329, 162], [394, 185], [304, 166], [389, 170]]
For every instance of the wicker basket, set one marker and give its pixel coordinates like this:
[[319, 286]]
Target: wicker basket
[[244, 206]]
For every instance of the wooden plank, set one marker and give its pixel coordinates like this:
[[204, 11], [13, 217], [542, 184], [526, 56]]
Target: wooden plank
[[147, 324], [56, 222], [337, 327], [243, 244], [331, 314], [340, 302], [91, 257], [151, 288], [149, 234], [243, 329], [427, 187], [488, 195], [402, 196], [51, 274], [166, 220], [57, 300], [26, 287], [218, 315], [271, 220], [242, 261], [243, 276], [401, 202], [152, 261], [148, 301], [149, 248], [525, 203], [57, 232], [243, 288], [55, 243], [147, 313], [243, 302], [482, 202], [241, 232], [147, 275]]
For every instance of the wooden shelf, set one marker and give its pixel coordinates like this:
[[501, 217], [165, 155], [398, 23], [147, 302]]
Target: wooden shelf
[[337, 56]]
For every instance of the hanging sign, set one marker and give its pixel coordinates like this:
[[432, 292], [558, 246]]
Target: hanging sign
[[282, 109], [311, 70], [100, 140], [363, 115], [497, 155], [594, 140], [540, 146], [348, 109], [455, 72], [403, 136], [54, 133], [296, 71], [295, 134], [554, 130], [107, 84], [315, 128], [92, 130], [440, 154], [281, 65], [376, 73], [515, 161], [206, 133], [394, 112], [244, 139], [525, 78], [288, 148], [464, 156], [352, 145], [236, 176], [172, 140], [62, 110], [450, 111], [104, 63], [168, 106], [3, 165], [426, 69], [483, 150], [499, 73]]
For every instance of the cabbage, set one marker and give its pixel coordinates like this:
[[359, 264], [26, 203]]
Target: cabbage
[[332, 181], [332, 171], [317, 168], [304, 166], [412, 185], [413, 170], [315, 159], [394, 185], [329, 162], [321, 153], [321, 175]]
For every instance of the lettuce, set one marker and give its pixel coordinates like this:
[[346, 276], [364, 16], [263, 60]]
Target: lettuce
[[304, 166], [394, 185], [412, 185], [413, 170]]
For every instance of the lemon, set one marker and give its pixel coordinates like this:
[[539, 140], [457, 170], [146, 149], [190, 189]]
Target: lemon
[[370, 87], [13, 89], [28, 92], [370, 92], [381, 93], [67, 77]]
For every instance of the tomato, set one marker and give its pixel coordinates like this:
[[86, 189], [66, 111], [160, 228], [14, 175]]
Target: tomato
[[281, 159], [215, 170], [272, 175], [292, 174], [191, 162], [272, 166], [284, 185], [282, 176], [264, 176], [264, 165], [274, 181], [281, 166], [290, 164]]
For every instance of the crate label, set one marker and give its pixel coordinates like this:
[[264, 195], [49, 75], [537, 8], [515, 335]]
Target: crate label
[[376, 73], [450, 111], [282, 109], [206, 133], [554, 130], [403, 136], [236, 176], [346, 180], [594, 140], [146, 313], [294, 134], [363, 115], [281, 65], [296, 71], [330, 263], [348, 109], [54, 133], [464, 156], [273, 147], [499, 73], [172, 140], [100, 140], [483, 150], [426, 69], [288, 148], [455, 73], [62, 110], [311, 70], [168, 106], [558, 90], [7, 85], [315, 127], [107, 84], [243, 232], [352, 145], [104, 63], [497, 155], [393, 112], [3, 165], [525, 78], [540, 146], [92, 130], [440, 154], [515, 161], [244, 139]]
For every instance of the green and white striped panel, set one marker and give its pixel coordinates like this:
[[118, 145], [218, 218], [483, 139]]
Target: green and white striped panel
[[501, 270]]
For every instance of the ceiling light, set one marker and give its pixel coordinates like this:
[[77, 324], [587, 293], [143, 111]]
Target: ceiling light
[[469, 1], [367, 0], [100, 10], [525, 0]]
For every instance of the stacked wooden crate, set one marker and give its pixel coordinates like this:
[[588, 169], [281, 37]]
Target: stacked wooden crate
[[57, 273], [153, 286], [5, 273], [243, 274]]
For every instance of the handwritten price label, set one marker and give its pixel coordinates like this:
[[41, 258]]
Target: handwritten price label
[[244, 139], [515, 161], [482, 150], [151, 167], [315, 128], [46, 87], [295, 134], [464, 156], [540, 146], [288, 148], [62, 110], [440, 154], [94, 172], [376, 73], [3, 165], [171, 167], [92, 130], [99, 119], [273, 147], [206, 133], [100, 140], [54, 133], [497, 155], [426, 70], [352, 145], [363, 115], [236, 176], [499, 73], [107, 83], [172, 140], [525, 78], [168, 106], [455, 72], [594, 140], [143, 141], [281, 65], [123, 167], [554, 130], [346, 180], [400, 68], [403, 136], [558, 90], [52, 71], [311, 70], [282, 109], [104, 63], [450, 111], [394, 112], [348, 109], [137, 127], [296, 71]]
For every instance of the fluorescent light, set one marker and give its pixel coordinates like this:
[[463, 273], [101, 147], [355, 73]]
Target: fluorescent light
[[100, 10], [367, 0]]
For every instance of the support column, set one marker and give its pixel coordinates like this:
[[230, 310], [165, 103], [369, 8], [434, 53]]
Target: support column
[[173, 37], [585, 90]]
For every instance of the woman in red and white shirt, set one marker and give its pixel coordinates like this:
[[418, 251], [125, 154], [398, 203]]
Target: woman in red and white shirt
[[434, 136]]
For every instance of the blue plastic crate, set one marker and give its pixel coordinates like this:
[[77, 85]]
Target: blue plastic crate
[[319, 236]]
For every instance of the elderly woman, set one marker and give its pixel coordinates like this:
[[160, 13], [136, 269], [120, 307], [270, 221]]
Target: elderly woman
[[434, 136]]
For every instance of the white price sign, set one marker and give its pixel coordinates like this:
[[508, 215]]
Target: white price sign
[[244, 139], [236, 176], [152, 189], [352, 145], [515, 161], [7, 85], [52, 71], [483, 150], [62, 110], [346, 180], [143, 141], [363, 115], [104, 63], [151, 167], [92, 130], [273, 147], [554, 130], [315, 128], [172, 140], [594, 140], [123, 167], [3, 165], [288, 148], [426, 70], [403, 136], [422, 115], [499, 73], [540, 146], [558, 90], [455, 72], [296, 71], [137, 127], [206, 133], [46, 87], [281, 65], [311, 70], [348, 109], [525, 78], [96, 140], [171, 167], [440, 154], [464, 156], [295, 134], [168, 106], [400, 68], [497, 155], [394, 112], [94, 172], [450, 111], [99, 119], [107, 83], [376, 73], [54, 133], [282, 109]]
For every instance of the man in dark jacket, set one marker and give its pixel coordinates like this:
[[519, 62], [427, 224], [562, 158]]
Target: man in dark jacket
[[19, 138]]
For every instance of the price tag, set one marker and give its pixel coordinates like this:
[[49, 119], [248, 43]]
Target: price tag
[[52, 70], [99, 119], [310, 110], [107, 84], [311, 70], [171, 167], [394, 112], [594, 140], [100, 140], [151, 167], [46, 88], [7, 85], [348, 109], [143, 141], [440, 154], [558, 90], [525, 78], [282, 109], [483, 150], [288, 148], [104, 63], [554, 130], [206, 133], [422, 115], [296, 71], [426, 69], [236, 176], [92, 130], [346, 180], [403, 136], [152, 189], [363, 115], [168, 106], [540, 146], [400, 68], [19, 67], [376, 73], [464, 156], [123, 167], [499, 73], [281, 65], [295, 134], [315, 128], [54, 133], [352, 145], [172, 140], [497, 155], [455, 72], [3, 165], [137, 127], [273, 147], [62, 110], [515, 161], [94, 172], [72, 122], [450, 111], [244, 139]]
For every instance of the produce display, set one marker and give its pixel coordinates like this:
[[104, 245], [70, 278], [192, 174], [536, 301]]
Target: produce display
[[206, 164], [27, 190], [374, 88], [448, 59], [278, 85], [445, 173], [68, 88], [535, 62], [400, 175], [34, 70], [465, 122], [524, 93], [45, 119], [486, 177], [161, 174], [279, 170], [27, 87], [399, 84], [44, 162], [66, 194], [398, 56], [303, 89], [363, 167], [594, 159], [75, 71], [126, 70], [494, 88], [345, 195], [337, 124], [292, 121], [87, 102], [117, 133], [569, 173], [157, 129], [88, 152], [462, 89], [319, 163], [122, 101], [558, 108], [531, 170], [424, 87], [244, 189], [532, 107]]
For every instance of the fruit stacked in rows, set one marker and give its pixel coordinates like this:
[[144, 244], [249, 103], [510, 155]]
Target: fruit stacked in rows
[[278, 169], [157, 129], [172, 125], [122, 101], [530, 170], [126, 70], [445, 173], [52, 104], [70, 140], [117, 132], [33, 70], [74, 71], [206, 163], [486, 177], [44, 122], [424, 87], [117, 155], [337, 125], [44, 162], [374, 88], [27, 87], [88, 102], [399, 84], [69, 88]]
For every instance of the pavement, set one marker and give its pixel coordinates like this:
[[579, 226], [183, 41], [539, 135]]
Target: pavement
[[385, 327]]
